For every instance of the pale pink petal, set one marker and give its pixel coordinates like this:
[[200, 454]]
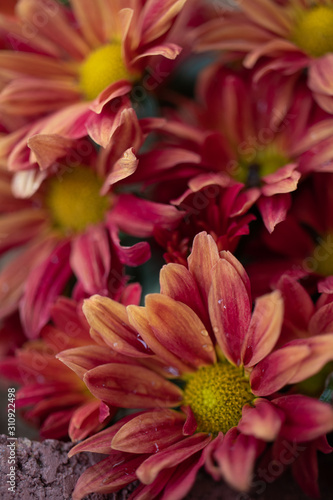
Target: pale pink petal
[[168, 50], [90, 20], [157, 18], [48, 147], [322, 320]]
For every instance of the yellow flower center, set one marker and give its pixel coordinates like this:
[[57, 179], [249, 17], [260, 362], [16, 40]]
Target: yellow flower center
[[216, 395], [74, 201], [313, 32], [322, 260], [101, 68], [266, 161]]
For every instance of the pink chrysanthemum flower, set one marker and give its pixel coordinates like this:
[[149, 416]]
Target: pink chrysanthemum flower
[[207, 382], [285, 36], [66, 229], [55, 398], [265, 135], [68, 64], [302, 245], [214, 203]]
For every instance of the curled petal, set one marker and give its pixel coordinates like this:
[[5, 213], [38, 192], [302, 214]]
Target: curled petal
[[262, 421]]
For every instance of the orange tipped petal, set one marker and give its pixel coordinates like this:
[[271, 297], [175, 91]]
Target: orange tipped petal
[[229, 309], [171, 456], [180, 330], [150, 432], [109, 319], [278, 369], [131, 387]]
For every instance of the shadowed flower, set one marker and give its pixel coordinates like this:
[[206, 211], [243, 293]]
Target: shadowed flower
[[214, 203], [283, 36], [265, 135], [60, 404], [202, 368], [68, 64], [302, 245]]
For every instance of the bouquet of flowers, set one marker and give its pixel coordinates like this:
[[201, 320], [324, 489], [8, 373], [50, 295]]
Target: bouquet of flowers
[[166, 232]]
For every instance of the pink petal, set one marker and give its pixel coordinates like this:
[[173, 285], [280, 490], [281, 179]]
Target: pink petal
[[305, 418], [46, 148], [44, 284], [108, 321], [108, 476], [55, 25], [101, 442], [171, 456], [322, 320], [178, 283], [264, 329], [321, 74], [236, 457], [173, 365], [131, 387], [203, 258], [278, 369], [262, 421], [134, 255], [85, 358], [298, 304], [139, 217], [91, 260], [150, 432], [229, 309], [274, 209], [180, 330], [183, 479]]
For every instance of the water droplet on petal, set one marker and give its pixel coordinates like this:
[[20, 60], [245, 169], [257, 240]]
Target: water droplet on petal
[[172, 370], [157, 447], [204, 333], [208, 347]]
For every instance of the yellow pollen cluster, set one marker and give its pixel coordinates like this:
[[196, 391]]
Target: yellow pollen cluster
[[313, 32], [216, 395], [101, 68], [74, 201]]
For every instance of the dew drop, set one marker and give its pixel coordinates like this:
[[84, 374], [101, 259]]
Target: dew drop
[[172, 370], [204, 333], [156, 447], [208, 347], [220, 301], [140, 339]]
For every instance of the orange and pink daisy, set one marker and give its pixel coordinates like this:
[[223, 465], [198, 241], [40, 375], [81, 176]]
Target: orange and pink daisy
[[213, 389]]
